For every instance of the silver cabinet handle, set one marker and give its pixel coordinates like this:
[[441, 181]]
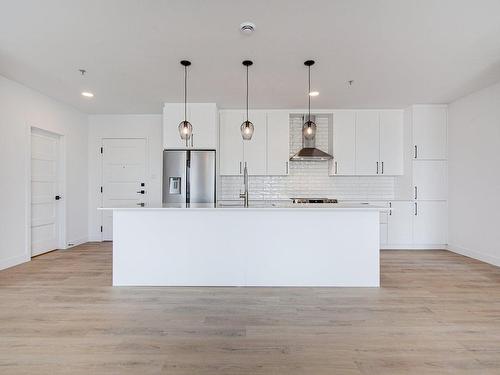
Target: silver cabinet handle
[[382, 167], [390, 208], [287, 168], [192, 139], [416, 192], [416, 209], [336, 171], [377, 167], [416, 152], [240, 167]]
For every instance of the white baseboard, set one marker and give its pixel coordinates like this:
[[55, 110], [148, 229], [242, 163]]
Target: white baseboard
[[13, 261], [475, 254], [414, 247], [76, 242]]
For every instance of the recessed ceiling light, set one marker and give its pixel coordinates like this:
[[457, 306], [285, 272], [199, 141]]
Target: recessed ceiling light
[[314, 93], [87, 94]]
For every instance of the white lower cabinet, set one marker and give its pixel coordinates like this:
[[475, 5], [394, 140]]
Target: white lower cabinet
[[400, 223], [417, 224], [383, 234], [430, 222]]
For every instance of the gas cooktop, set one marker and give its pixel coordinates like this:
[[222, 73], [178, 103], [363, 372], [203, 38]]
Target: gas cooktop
[[313, 200]]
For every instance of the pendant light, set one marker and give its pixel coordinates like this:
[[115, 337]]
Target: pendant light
[[185, 127], [309, 127], [247, 127]]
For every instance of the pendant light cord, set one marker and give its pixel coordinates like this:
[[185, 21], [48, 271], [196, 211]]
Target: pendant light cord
[[309, 96], [247, 96], [185, 93]]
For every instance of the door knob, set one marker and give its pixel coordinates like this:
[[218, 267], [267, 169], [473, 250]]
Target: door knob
[[57, 197]]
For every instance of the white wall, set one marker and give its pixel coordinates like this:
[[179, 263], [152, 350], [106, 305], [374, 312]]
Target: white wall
[[122, 126], [474, 175], [20, 109]]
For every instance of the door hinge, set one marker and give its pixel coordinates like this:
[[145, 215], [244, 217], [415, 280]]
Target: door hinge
[[101, 189], [101, 228], [102, 150]]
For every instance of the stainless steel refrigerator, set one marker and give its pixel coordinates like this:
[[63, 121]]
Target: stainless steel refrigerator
[[189, 177]]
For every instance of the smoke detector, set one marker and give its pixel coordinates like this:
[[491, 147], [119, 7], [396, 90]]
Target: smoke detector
[[247, 28]]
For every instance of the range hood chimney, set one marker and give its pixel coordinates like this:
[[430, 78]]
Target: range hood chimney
[[309, 152]]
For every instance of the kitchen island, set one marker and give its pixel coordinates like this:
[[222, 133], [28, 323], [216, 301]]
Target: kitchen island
[[264, 245]]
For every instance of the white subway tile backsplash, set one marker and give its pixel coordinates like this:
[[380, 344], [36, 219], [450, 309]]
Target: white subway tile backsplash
[[309, 179]]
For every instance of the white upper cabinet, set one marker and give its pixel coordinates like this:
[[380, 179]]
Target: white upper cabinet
[[430, 223], [430, 180], [391, 142], [367, 143], [344, 143], [266, 153], [278, 143], [231, 142], [203, 117], [430, 132], [173, 114], [254, 150]]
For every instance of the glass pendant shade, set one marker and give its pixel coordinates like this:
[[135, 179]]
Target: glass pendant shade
[[247, 129], [309, 130], [185, 130]]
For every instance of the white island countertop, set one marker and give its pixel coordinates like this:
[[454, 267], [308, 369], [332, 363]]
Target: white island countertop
[[255, 205]]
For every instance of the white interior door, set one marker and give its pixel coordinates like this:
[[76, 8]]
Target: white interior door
[[45, 217], [124, 184]]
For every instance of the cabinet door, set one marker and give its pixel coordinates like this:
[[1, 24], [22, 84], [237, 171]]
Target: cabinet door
[[255, 150], [231, 143], [429, 132], [173, 114], [399, 223], [344, 143], [278, 142], [430, 180], [203, 117], [367, 143], [391, 142], [430, 223]]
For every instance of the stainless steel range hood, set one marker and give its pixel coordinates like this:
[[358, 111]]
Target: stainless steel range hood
[[309, 152]]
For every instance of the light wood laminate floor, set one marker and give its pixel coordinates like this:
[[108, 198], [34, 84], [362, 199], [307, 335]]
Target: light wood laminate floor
[[436, 313]]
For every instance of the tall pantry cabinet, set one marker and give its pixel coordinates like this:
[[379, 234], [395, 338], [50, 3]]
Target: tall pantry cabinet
[[418, 218]]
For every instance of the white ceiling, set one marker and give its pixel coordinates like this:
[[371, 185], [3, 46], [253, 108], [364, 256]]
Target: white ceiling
[[398, 52]]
